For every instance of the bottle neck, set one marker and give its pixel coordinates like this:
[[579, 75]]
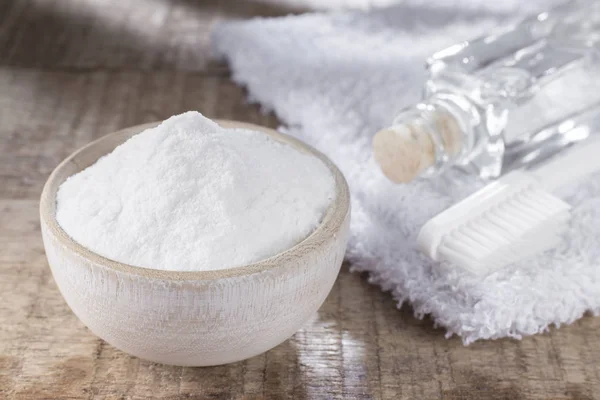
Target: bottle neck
[[439, 124]]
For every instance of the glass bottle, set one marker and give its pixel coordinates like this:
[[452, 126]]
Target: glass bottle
[[503, 100]]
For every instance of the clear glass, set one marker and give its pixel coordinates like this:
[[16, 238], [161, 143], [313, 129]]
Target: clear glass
[[517, 95]]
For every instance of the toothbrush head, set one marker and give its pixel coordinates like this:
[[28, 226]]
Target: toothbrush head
[[507, 221]]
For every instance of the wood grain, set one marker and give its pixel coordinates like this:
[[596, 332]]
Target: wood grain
[[67, 78]]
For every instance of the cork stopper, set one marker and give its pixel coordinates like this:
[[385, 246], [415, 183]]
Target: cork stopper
[[404, 151]]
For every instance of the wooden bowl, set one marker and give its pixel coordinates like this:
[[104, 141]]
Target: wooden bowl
[[194, 318]]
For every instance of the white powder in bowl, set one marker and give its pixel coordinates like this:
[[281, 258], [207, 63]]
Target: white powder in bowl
[[189, 195]]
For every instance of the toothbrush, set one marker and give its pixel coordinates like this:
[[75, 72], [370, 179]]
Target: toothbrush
[[512, 218]]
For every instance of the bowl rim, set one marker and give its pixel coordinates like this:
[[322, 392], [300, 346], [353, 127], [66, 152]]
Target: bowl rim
[[335, 216]]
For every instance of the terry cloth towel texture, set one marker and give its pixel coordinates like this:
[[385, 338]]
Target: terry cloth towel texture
[[334, 79]]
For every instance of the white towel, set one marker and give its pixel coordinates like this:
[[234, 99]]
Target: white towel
[[334, 79]]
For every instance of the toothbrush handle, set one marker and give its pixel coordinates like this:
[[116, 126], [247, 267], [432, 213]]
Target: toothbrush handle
[[571, 164]]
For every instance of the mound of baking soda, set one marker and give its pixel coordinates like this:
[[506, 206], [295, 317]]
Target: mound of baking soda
[[189, 195]]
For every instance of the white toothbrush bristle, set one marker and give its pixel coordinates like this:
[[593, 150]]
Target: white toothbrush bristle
[[520, 225]]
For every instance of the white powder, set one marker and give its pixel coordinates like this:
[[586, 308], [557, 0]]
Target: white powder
[[189, 195]]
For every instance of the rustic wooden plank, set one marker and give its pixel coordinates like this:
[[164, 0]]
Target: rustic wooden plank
[[116, 34]]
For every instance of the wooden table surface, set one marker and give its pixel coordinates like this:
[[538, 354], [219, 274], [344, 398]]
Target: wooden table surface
[[73, 70]]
